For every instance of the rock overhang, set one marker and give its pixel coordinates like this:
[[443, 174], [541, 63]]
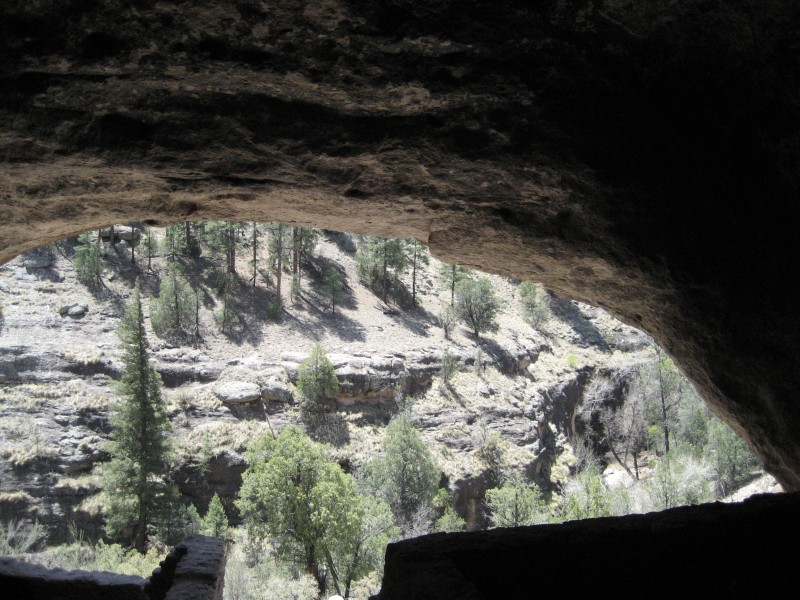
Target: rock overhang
[[642, 158]]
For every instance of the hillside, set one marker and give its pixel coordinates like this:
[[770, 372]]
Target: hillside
[[59, 361]]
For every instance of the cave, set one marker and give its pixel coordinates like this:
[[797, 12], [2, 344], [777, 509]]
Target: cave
[[641, 157]]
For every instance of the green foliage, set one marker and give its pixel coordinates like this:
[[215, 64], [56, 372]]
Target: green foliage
[[731, 460], [223, 239], [535, 304], [490, 450], [20, 537], [295, 495], [178, 240], [450, 522], [407, 476], [587, 497], [88, 263], [449, 365], [173, 312], [572, 361], [476, 304], [316, 381], [84, 556], [215, 523], [245, 580], [381, 261], [516, 504], [450, 275], [134, 481], [679, 479]]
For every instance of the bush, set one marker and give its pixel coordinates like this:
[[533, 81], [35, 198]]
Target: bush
[[535, 304], [516, 504], [449, 366], [447, 320]]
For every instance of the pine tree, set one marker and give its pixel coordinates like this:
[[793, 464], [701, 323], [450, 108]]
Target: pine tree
[[135, 478], [334, 285], [88, 264], [380, 263], [173, 312], [450, 275], [418, 256], [279, 253], [215, 523]]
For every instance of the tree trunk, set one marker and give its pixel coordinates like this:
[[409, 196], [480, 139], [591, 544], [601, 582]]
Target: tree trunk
[[453, 286], [385, 260], [279, 248], [255, 249], [231, 248], [133, 248], [414, 278]]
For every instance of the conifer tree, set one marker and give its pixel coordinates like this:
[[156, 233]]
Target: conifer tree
[[450, 275], [135, 478], [173, 312], [381, 260], [215, 523], [88, 263], [418, 256]]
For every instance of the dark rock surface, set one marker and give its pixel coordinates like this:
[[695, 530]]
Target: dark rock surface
[[637, 156], [706, 551], [23, 581]]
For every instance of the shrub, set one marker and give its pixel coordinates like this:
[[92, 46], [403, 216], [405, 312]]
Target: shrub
[[447, 320], [449, 366], [535, 304]]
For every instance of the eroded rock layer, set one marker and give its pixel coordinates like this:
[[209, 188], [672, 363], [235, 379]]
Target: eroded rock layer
[[639, 156]]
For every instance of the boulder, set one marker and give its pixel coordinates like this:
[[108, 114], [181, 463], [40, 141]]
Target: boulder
[[276, 389], [41, 261], [237, 392], [76, 311]]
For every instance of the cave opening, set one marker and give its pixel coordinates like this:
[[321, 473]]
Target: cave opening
[[555, 466]]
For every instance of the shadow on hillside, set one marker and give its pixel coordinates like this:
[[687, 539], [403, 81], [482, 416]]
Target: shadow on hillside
[[340, 325], [416, 320], [569, 313], [503, 359], [316, 277]]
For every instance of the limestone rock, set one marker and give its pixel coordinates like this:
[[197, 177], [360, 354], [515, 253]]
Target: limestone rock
[[237, 392]]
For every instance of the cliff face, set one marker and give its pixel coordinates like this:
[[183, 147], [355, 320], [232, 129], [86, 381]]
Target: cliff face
[[638, 157]]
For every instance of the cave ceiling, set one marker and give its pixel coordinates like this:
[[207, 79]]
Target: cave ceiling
[[643, 157]]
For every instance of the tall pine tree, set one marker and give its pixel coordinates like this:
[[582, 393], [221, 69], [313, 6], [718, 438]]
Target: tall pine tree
[[135, 478]]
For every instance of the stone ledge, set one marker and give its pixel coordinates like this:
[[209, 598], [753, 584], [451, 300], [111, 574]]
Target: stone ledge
[[707, 551]]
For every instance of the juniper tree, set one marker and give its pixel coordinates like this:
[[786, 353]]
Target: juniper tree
[[316, 380], [293, 493], [407, 477], [476, 304], [135, 478]]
